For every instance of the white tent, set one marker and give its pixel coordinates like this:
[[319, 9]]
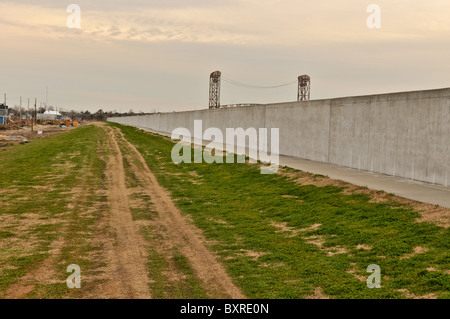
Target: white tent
[[49, 115], [52, 113]]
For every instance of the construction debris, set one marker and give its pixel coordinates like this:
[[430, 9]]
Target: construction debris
[[13, 138]]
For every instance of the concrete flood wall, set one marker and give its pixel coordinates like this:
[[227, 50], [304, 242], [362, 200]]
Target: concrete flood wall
[[401, 134]]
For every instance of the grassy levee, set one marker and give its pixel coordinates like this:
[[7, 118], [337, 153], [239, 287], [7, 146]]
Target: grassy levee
[[47, 191], [279, 239]]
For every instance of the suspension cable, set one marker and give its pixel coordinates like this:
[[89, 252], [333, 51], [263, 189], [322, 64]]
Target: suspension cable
[[237, 83]]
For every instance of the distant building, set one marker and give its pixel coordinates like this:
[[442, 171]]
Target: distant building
[[3, 113], [50, 115]]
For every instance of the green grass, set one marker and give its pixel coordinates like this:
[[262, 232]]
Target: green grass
[[37, 181], [290, 267]]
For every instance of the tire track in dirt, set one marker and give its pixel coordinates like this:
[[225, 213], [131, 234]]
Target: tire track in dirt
[[177, 232], [126, 272]]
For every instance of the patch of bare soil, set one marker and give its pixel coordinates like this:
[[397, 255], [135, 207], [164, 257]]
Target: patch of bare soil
[[311, 228], [417, 250], [291, 231], [283, 228], [437, 215], [43, 273], [175, 231], [319, 241], [221, 222], [336, 250], [365, 247], [408, 294], [355, 274], [318, 294], [45, 129], [253, 254]]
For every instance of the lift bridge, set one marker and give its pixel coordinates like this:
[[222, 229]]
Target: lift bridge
[[303, 92]]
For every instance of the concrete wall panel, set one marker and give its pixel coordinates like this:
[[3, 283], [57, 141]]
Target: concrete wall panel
[[401, 134]]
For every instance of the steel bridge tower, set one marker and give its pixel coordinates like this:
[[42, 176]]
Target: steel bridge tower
[[214, 90], [304, 88]]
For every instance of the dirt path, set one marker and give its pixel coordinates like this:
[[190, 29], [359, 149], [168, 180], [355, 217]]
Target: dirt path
[[175, 231], [126, 271]]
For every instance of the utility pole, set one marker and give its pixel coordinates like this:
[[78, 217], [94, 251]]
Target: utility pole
[[35, 111], [20, 113], [5, 98], [28, 111], [31, 120], [46, 97]]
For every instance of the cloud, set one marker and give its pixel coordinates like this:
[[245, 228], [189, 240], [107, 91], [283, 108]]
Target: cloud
[[168, 22], [287, 22], [123, 47]]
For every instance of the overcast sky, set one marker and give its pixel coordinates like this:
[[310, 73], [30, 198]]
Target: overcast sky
[[157, 55]]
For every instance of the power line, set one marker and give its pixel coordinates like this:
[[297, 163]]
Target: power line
[[251, 86]]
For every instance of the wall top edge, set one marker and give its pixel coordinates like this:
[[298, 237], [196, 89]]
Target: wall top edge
[[394, 96]]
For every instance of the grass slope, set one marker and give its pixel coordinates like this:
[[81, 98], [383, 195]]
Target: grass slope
[[241, 211], [39, 212]]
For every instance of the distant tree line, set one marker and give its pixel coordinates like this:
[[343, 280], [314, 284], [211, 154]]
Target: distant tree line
[[100, 115]]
